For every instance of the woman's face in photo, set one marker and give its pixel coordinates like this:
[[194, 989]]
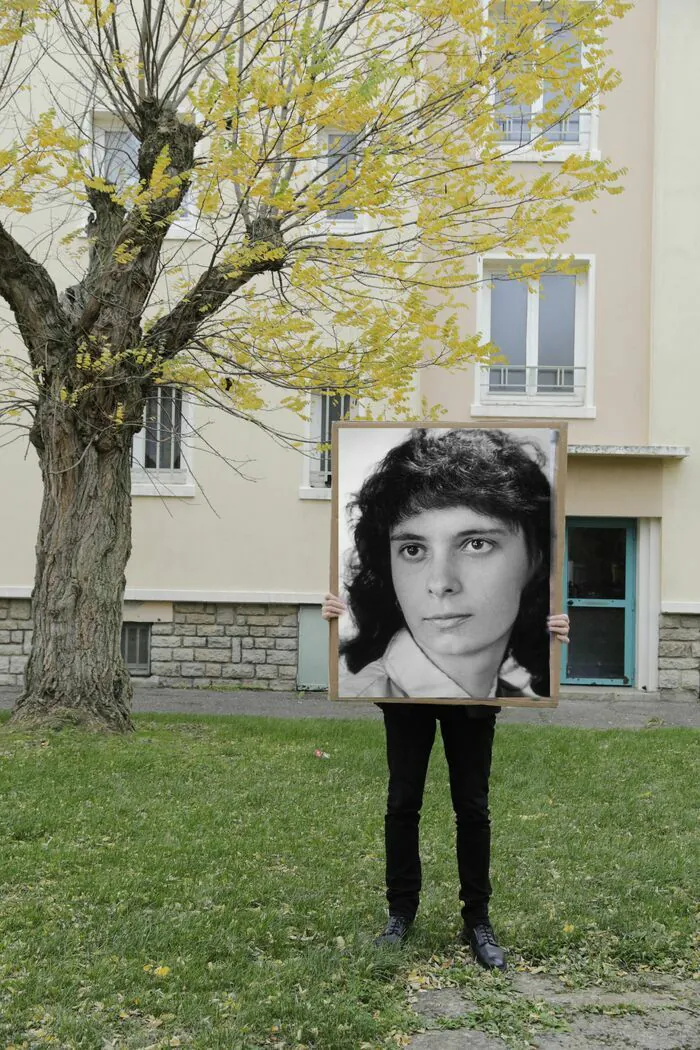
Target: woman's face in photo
[[458, 577]]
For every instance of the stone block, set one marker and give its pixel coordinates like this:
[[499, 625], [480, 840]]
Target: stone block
[[290, 621], [9, 679], [11, 649], [17, 636], [280, 610], [218, 643], [694, 648], [690, 680], [686, 621], [283, 632], [224, 614], [213, 670], [206, 629], [27, 643], [194, 670], [289, 644], [247, 610], [669, 679], [162, 667], [276, 656], [287, 670], [680, 634], [215, 656], [674, 648], [161, 641], [17, 664], [188, 606], [4, 663], [256, 632], [279, 685], [263, 621], [677, 663], [161, 630], [237, 670], [237, 631], [163, 656], [246, 643], [669, 620], [4, 637], [183, 655], [201, 683], [200, 617], [235, 650], [257, 656], [241, 621], [20, 608], [262, 643], [263, 671]]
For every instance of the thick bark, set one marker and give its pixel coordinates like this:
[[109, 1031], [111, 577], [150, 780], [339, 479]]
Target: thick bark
[[76, 674]]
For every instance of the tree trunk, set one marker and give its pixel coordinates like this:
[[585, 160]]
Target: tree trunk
[[76, 674]]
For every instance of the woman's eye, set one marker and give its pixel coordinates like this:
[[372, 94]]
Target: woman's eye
[[412, 551], [478, 546]]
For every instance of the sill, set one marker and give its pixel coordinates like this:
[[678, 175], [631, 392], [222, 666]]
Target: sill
[[306, 492], [534, 410], [524, 155], [156, 487]]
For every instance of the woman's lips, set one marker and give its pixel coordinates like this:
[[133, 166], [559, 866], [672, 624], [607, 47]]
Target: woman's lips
[[446, 622]]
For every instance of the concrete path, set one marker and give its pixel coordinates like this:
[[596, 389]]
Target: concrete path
[[584, 710]]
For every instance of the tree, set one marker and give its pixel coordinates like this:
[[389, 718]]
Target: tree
[[222, 109]]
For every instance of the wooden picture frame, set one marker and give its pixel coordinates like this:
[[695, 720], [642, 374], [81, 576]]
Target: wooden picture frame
[[374, 682]]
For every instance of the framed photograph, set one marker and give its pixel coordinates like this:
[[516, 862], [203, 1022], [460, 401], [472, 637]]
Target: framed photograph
[[447, 546]]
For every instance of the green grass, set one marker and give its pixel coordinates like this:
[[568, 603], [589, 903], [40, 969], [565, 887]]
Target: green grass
[[208, 883]]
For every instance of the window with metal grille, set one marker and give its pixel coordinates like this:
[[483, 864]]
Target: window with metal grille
[[341, 157], [540, 328], [136, 647], [158, 446], [327, 408], [519, 122]]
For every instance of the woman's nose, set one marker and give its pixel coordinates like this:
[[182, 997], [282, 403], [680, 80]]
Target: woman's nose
[[442, 579]]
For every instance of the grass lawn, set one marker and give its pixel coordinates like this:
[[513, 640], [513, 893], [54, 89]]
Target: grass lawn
[[208, 883]]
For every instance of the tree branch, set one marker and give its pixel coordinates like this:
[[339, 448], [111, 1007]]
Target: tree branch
[[31, 294]]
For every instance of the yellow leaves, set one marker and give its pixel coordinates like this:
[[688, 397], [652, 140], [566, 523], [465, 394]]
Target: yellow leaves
[[156, 971]]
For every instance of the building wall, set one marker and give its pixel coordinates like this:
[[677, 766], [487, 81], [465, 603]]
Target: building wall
[[675, 303]]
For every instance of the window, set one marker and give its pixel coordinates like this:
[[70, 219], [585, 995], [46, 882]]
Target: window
[[136, 647], [341, 156], [542, 329], [326, 409], [520, 122], [116, 160], [157, 449]]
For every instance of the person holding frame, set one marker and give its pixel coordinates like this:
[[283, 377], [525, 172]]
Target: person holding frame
[[449, 592]]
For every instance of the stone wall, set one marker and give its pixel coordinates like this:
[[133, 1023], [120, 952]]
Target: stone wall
[[206, 644], [15, 639], [209, 644], [679, 657]]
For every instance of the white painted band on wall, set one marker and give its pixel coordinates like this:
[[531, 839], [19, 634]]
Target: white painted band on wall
[[691, 608]]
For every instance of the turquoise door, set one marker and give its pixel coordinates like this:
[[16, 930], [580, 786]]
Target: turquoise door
[[599, 591]]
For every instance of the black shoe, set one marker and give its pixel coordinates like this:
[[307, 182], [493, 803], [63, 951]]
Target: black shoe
[[482, 941], [395, 931]]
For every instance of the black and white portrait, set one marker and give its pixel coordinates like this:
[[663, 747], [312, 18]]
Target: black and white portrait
[[445, 553]]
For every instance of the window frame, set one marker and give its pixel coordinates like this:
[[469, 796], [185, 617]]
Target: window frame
[[359, 223], [538, 404], [589, 121], [162, 481], [103, 121], [309, 489], [137, 670]]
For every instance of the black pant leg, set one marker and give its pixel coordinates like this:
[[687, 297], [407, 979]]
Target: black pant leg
[[410, 732], [468, 747]]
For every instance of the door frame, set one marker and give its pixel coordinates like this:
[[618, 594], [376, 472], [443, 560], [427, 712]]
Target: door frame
[[629, 603]]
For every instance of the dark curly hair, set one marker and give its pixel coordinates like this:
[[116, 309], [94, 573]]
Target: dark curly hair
[[489, 471]]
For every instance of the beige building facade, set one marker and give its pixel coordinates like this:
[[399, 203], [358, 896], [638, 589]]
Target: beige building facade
[[231, 559]]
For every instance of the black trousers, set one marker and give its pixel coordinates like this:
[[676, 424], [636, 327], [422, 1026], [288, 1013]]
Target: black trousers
[[468, 742]]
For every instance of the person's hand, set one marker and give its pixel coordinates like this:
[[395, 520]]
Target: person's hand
[[332, 607], [558, 625]]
